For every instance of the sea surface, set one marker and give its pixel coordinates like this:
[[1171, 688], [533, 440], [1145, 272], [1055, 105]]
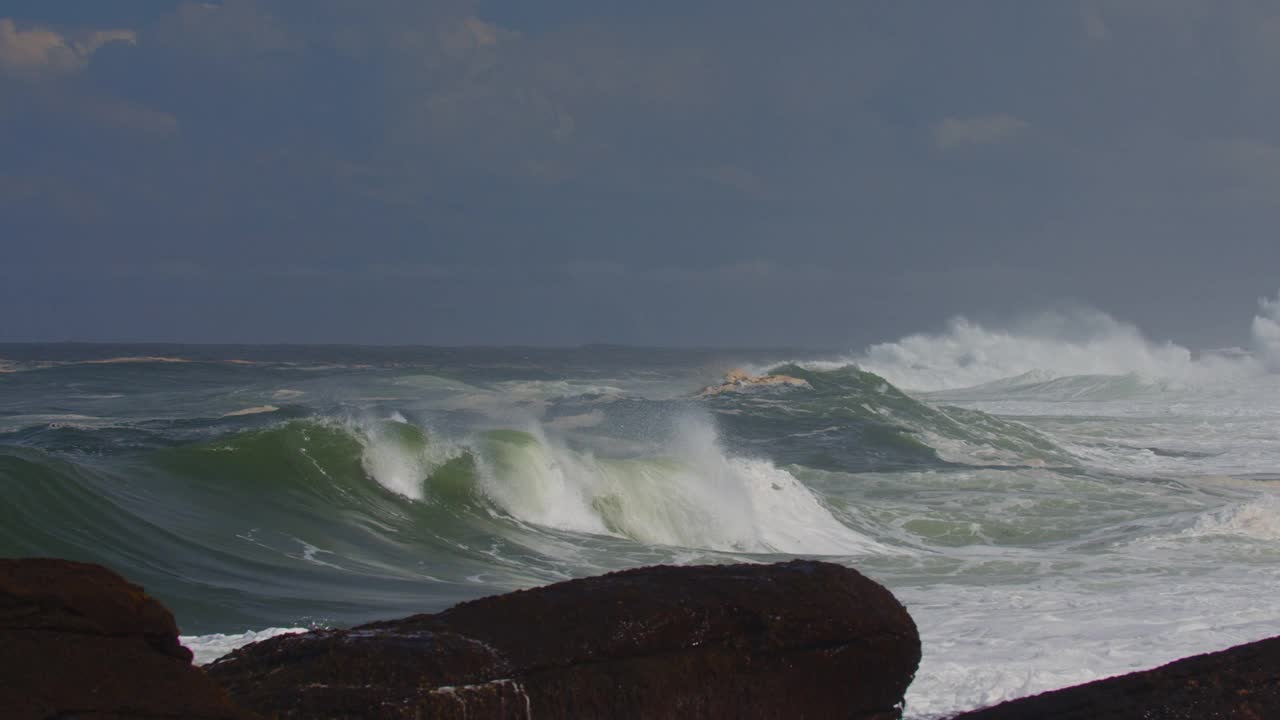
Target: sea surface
[[1050, 510]]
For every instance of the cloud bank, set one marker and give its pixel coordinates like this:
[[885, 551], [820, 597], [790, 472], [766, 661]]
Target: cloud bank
[[929, 160]]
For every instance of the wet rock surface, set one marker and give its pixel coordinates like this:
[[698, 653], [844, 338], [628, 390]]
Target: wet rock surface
[[742, 381], [791, 640], [1240, 683], [79, 641]]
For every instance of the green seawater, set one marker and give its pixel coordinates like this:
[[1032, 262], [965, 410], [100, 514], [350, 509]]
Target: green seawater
[[251, 488]]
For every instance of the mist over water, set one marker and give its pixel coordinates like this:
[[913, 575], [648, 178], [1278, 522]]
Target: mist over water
[[1055, 501]]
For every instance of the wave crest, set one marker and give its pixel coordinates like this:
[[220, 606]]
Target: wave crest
[[1266, 332], [687, 491], [693, 495], [1055, 345]]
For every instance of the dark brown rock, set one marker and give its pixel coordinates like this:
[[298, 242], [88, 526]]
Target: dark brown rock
[[78, 641], [793, 640], [1240, 683]]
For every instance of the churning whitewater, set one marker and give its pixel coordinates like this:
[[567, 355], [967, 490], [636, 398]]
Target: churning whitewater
[[1055, 501]]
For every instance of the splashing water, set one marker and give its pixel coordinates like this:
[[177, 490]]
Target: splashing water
[[691, 494], [1266, 332], [1053, 345]]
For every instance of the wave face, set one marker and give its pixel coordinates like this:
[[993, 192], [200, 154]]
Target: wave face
[[850, 419], [1052, 498], [698, 497], [693, 496], [250, 509], [270, 506]]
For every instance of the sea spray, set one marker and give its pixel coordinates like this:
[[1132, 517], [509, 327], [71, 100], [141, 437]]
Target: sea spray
[[1054, 345], [1266, 332], [692, 494], [401, 456]]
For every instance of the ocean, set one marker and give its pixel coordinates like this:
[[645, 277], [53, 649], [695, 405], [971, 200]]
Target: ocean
[[1052, 507]]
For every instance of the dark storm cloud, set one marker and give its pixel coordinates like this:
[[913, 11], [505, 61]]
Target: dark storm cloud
[[742, 172]]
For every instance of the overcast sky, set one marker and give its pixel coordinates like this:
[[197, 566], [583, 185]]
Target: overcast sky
[[665, 172]]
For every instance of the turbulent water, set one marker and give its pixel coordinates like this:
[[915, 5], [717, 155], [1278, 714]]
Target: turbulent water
[[1052, 507]]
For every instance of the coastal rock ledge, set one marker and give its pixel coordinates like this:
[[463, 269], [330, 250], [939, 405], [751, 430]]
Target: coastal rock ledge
[[79, 641], [791, 640], [1240, 683]]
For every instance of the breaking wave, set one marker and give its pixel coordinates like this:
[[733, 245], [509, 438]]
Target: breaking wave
[[1257, 519], [691, 494], [309, 503], [694, 496], [845, 418], [275, 508], [1266, 332], [1064, 344]]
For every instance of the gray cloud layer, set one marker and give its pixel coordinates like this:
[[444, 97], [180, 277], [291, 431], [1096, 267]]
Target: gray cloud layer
[[745, 173]]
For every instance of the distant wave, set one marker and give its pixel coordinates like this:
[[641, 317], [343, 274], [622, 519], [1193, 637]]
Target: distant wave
[[256, 410], [1039, 385], [845, 418], [1266, 332], [1056, 345], [12, 366], [136, 359]]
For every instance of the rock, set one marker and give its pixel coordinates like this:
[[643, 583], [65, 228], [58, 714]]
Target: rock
[[1242, 683], [791, 640], [77, 640], [740, 380]]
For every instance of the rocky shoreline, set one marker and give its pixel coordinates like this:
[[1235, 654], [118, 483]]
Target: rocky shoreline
[[789, 640], [79, 641], [1241, 682]]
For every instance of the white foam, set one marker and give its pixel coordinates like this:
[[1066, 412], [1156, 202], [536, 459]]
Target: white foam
[[985, 645], [260, 409], [134, 359], [396, 470], [1266, 332], [1257, 519], [685, 492], [692, 495], [208, 648], [537, 483], [400, 466], [1052, 345]]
